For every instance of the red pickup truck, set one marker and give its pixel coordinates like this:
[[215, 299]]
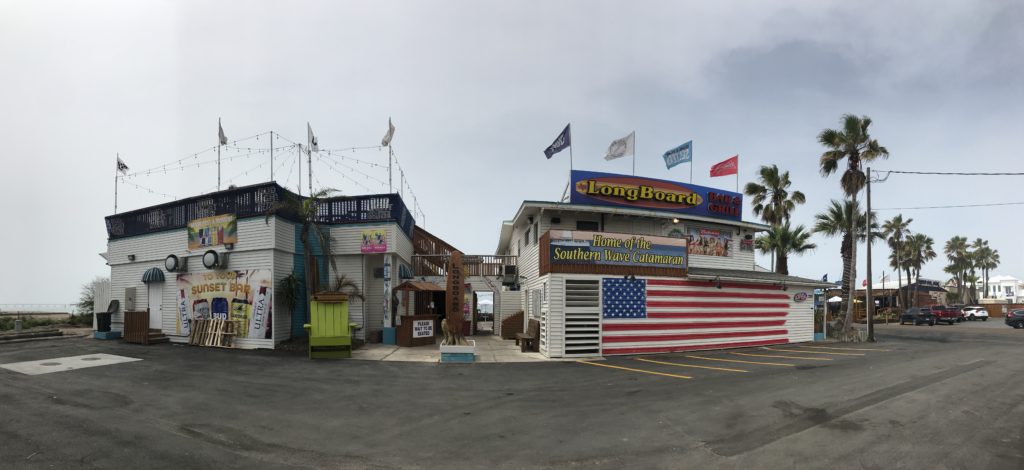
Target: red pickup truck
[[945, 313]]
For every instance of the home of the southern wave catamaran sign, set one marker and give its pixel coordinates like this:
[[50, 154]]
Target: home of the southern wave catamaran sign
[[574, 251], [607, 189]]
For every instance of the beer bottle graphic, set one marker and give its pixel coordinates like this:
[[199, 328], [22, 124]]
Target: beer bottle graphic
[[201, 309], [259, 327], [241, 309], [219, 308]]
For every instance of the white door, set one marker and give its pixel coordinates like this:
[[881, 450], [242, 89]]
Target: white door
[[155, 295]]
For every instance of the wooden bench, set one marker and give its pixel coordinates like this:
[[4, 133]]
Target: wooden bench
[[528, 341]]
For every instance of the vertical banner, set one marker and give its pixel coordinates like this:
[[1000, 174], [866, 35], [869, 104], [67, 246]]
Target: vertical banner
[[245, 296], [387, 291]]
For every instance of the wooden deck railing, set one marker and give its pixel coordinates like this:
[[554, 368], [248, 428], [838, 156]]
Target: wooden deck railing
[[475, 265]]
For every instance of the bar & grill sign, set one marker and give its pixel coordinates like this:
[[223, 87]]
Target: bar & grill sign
[[616, 249]]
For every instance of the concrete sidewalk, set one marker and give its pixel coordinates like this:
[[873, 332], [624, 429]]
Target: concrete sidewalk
[[488, 349]]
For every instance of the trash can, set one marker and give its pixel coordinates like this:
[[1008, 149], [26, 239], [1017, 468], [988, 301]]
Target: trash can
[[103, 321]]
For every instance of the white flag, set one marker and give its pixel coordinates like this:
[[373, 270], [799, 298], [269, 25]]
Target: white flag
[[387, 137], [223, 139], [621, 147], [314, 146], [121, 166]]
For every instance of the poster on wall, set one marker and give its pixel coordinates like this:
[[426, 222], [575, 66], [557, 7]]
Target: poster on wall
[[246, 296], [212, 231], [747, 245], [374, 241], [709, 242]]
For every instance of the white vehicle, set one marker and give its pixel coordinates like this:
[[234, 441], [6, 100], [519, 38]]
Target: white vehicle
[[975, 313]]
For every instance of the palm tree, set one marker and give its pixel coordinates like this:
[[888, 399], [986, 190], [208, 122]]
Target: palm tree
[[771, 197], [921, 251], [305, 211], [853, 143], [987, 260], [782, 240], [837, 221], [957, 253], [896, 231]]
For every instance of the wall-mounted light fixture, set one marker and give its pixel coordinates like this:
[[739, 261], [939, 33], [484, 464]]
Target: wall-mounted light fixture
[[718, 282], [530, 219], [229, 246], [131, 257], [675, 220]]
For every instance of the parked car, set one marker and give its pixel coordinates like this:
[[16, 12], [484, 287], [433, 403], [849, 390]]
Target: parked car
[[960, 309], [975, 312], [918, 316], [945, 314], [1015, 318]]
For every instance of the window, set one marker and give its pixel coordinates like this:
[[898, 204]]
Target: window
[[527, 238], [536, 228], [587, 225], [1009, 291]]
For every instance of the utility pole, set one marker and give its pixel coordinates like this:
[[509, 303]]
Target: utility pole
[[870, 299]]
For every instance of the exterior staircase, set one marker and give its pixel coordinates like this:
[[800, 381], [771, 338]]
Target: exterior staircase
[[156, 336]]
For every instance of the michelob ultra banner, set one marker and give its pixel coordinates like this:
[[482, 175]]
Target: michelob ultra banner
[[245, 296]]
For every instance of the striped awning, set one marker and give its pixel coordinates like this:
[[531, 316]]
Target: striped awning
[[153, 275]]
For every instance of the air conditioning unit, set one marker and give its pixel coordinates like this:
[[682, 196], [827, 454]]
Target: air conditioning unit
[[510, 275]]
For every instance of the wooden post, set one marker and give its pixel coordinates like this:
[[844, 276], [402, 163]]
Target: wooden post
[[454, 299]]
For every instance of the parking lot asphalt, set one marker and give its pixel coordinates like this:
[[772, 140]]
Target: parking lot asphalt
[[921, 397]]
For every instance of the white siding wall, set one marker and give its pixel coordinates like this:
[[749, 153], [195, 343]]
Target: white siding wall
[[800, 320], [254, 250]]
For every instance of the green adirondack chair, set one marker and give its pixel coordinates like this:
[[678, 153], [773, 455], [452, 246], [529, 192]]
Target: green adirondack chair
[[330, 333]]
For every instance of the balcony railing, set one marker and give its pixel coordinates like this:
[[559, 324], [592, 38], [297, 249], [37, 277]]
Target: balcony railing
[[256, 201], [475, 265]]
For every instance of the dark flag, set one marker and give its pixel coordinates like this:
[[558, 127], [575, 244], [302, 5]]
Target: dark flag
[[824, 278], [561, 142]]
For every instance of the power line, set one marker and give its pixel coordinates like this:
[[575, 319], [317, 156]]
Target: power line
[[950, 207], [945, 173]]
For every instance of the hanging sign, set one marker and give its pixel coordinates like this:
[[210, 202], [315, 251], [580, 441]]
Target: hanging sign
[[607, 189], [374, 241], [212, 231]]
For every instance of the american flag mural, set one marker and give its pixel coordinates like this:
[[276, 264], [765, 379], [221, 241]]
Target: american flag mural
[[664, 315]]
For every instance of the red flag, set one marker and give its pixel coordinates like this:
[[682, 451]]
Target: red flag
[[729, 166]]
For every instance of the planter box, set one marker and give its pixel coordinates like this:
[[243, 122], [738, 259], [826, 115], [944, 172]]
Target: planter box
[[458, 353]]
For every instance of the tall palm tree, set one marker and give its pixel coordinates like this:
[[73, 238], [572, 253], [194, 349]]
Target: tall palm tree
[[854, 144], [306, 211], [783, 240], [895, 231], [957, 252], [921, 251], [837, 221]]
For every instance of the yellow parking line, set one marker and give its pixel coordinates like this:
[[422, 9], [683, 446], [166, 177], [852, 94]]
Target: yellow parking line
[[689, 365], [783, 357], [814, 352], [635, 370], [743, 362], [844, 349]]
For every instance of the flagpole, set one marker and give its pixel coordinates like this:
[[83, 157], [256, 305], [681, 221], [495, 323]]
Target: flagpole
[[117, 169], [219, 128], [391, 156], [271, 155], [300, 169], [634, 153], [309, 156]]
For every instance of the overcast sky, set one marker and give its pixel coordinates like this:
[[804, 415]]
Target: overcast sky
[[477, 90]]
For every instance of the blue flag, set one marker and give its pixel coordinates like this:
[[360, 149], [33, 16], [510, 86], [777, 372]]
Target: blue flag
[[561, 142], [680, 154]]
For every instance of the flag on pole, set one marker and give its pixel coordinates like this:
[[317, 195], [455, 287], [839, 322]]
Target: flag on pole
[[314, 145], [386, 141], [223, 139], [680, 154], [561, 142], [621, 147], [729, 166], [121, 166]]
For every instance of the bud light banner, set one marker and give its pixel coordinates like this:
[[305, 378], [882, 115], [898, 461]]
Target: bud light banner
[[245, 296], [607, 189]]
